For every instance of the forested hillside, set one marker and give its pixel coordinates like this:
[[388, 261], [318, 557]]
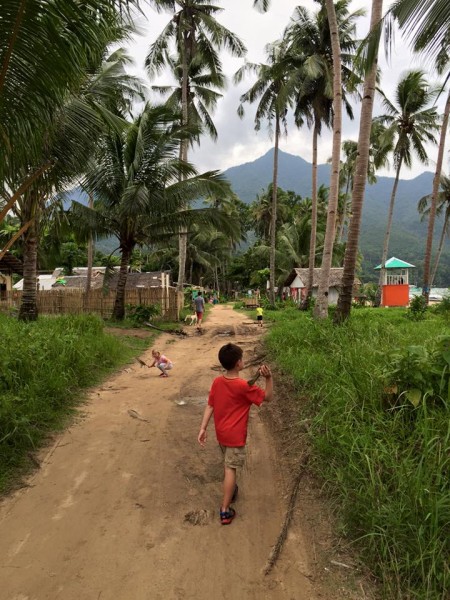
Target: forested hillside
[[408, 235]]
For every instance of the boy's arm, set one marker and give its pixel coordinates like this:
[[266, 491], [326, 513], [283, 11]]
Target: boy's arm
[[267, 374], [206, 417]]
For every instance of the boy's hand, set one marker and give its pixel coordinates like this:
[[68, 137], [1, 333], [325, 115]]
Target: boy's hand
[[265, 371], [202, 437]]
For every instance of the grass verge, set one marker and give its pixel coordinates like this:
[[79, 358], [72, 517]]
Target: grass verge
[[44, 367], [385, 461]]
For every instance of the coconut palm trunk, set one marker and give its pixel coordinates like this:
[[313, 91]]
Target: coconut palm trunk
[[312, 239], [119, 302], [321, 307], [182, 240], [359, 179], [273, 219], [90, 259], [441, 245], [28, 308], [387, 234], [434, 197], [344, 210]]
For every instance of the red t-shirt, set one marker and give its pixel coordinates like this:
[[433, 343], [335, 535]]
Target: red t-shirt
[[231, 400]]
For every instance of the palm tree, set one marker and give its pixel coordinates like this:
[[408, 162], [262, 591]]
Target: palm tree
[[202, 97], [74, 132], [360, 176], [261, 5], [197, 36], [321, 306], [273, 93], [309, 46], [261, 211], [45, 50], [426, 22], [293, 238], [442, 206], [136, 179], [380, 147], [411, 123], [442, 63]]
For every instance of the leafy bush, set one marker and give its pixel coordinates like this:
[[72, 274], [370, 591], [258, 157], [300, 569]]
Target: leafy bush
[[140, 313], [417, 308], [443, 307], [371, 291], [420, 372], [266, 304]]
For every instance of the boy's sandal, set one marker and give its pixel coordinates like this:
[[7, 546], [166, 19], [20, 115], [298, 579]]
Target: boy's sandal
[[227, 516], [235, 494]]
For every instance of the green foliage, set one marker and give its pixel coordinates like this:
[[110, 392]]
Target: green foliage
[[266, 304], [72, 256], [421, 372], [417, 308], [410, 233], [386, 466], [43, 367], [139, 313], [370, 290], [443, 308], [260, 277]]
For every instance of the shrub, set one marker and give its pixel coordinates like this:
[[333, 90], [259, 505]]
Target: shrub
[[140, 313], [417, 308], [443, 308]]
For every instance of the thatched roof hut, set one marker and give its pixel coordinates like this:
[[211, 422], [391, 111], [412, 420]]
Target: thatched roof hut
[[299, 277], [297, 281], [10, 264]]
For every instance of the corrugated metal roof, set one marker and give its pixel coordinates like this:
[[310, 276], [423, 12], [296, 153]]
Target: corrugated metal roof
[[134, 280]]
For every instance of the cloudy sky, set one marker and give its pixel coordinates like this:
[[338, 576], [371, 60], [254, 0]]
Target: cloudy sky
[[237, 141]]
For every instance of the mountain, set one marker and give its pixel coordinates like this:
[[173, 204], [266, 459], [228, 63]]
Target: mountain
[[408, 234]]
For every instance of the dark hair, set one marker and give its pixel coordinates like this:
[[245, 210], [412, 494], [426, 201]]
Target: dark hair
[[229, 355]]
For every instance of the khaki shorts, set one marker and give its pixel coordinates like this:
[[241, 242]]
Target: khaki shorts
[[233, 458]]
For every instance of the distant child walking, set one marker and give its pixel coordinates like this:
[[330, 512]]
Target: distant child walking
[[259, 316], [161, 362], [230, 400], [199, 303]]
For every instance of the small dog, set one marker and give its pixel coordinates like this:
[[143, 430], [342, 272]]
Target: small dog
[[192, 318]]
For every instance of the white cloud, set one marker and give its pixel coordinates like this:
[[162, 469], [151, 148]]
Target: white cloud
[[237, 140]]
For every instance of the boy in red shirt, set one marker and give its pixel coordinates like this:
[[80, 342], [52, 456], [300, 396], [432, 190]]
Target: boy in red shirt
[[230, 400]]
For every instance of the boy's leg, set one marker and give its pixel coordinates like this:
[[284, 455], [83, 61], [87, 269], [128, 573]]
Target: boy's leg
[[229, 484]]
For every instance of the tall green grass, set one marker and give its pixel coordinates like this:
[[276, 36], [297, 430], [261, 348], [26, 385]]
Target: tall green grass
[[43, 367], [386, 464]]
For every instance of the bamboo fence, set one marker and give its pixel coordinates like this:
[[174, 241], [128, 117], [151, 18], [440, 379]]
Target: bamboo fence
[[75, 301]]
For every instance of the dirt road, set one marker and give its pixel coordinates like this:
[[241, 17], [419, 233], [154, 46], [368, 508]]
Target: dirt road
[[104, 516]]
